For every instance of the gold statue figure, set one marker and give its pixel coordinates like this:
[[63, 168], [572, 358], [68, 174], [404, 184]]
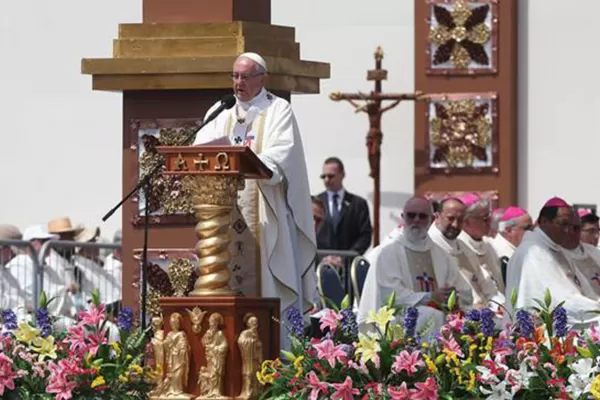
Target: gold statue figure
[[210, 378], [251, 350], [158, 352], [177, 350]]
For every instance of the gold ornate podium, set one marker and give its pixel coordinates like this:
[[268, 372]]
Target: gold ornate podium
[[228, 335]]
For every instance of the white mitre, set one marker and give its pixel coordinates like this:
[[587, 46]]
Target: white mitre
[[256, 58]]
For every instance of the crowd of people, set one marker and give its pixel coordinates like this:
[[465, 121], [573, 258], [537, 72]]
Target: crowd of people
[[484, 256], [69, 273]]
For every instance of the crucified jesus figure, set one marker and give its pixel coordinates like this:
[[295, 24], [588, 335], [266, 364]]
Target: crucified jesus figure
[[373, 108]]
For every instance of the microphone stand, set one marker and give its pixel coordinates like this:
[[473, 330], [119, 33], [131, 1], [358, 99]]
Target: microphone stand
[[146, 185]]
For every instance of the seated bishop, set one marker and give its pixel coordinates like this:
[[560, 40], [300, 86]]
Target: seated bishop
[[539, 264], [418, 271], [512, 225], [584, 257], [444, 232], [273, 237]]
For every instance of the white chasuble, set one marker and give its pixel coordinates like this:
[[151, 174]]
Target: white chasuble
[[411, 271], [586, 260], [484, 290], [273, 240], [502, 247], [486, 258], [539, 264]]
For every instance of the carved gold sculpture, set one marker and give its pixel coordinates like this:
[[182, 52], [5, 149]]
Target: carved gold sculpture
[[158, 348], [179, 272], [214, 198], [177, 351], [251, 350], [196, 316], [210, 378]]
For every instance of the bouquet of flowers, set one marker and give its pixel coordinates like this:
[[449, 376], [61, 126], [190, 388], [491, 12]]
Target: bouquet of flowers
[[477, 355], [38, 363]]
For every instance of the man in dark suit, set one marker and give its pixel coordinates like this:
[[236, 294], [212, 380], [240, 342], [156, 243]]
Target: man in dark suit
[[348, 223]]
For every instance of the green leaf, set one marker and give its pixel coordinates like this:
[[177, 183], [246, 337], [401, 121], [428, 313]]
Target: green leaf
[[43, 300], [96, 297], [547, 298], [452, 300], [391, 300], [288, 356], [513, 298], [346, 302]]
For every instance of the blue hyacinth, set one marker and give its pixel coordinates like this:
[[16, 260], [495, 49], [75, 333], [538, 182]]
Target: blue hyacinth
[[410, 321], [9, 318], [42, 321], [524, 325], [474, 315], [295, 321], [348, 323], [125, 319], [487, 322], [560, 321]]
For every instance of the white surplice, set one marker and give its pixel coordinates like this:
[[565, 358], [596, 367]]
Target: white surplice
[[393, 265], [283, 208], [539, 264], [502, 247], [487, 259], [586, 260], [484, 290]]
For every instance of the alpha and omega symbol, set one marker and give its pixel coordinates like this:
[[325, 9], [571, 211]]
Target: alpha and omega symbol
[[222, 161], [181, 163]]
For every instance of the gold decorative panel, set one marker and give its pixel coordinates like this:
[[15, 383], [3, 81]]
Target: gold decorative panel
[[462, 133], [170, 200], [463, 37]]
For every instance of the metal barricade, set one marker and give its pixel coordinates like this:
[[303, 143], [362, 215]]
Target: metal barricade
[[72, 271], [19, 277], [347, 256]]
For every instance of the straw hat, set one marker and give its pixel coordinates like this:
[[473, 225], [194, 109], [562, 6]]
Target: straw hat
[[87, 234], [62, 225]]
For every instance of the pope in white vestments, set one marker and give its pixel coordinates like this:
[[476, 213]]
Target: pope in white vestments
[[410, 265], [277, 212], [444, 232], [539, 263]]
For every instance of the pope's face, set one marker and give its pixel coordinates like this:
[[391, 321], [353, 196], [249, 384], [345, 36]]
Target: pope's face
[[247, 81]]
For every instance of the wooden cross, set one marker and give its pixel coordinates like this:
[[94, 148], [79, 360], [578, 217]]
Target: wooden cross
[[373, 108]]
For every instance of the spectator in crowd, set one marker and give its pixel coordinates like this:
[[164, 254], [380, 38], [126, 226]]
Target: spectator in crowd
[[8, 232], [114, 267], [590, 227], [348, 224]]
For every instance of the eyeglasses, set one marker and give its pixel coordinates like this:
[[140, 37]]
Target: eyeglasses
[[244, 77], [593, 231], [419, 216], [328, 176]]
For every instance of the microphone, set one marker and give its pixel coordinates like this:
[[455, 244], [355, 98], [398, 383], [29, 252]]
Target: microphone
[[227, 102]]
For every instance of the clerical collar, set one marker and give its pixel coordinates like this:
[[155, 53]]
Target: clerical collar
[[476, 245], [546, 239], [503, 240]]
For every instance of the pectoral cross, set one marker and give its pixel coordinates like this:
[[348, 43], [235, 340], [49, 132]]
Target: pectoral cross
[[373, 108], [426, 282]]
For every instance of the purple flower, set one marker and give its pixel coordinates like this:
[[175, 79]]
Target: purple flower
[[487, 322], [559, 315], [524, 326], [9, 318], [295, 321], [474, 315], [410, 321], [348, 323], [42, 321], [126, 319]]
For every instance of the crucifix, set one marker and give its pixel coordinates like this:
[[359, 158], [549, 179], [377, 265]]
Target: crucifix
[[373, 108]]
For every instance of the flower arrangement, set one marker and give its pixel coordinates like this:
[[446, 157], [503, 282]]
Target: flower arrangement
[[38, 363], [533, 355]]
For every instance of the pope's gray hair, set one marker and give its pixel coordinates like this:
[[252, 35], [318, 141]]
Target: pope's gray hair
[[259, 69]]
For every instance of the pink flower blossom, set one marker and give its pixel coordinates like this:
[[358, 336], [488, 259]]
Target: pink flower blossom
[[329, 351], [344, 391], [407, 362], [456, 322], [330, 320], [452, 346], [92, 317], [315, 385], [400, 393], [594, 334], [7, 375], [425, 391]]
